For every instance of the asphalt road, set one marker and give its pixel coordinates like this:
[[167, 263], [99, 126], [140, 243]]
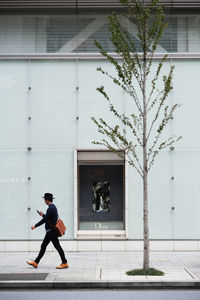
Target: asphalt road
[[102, 295]]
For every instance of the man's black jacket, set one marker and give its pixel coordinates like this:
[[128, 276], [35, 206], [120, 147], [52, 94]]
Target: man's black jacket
[[51, 215]]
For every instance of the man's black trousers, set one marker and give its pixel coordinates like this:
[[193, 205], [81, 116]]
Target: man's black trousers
[[51, 236]]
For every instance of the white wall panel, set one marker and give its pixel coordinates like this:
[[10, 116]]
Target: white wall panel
[[14, 202], [93, 103], [186, 92], [161, 197], [13, 104], [53, 104], [52, 171], [186, 194]]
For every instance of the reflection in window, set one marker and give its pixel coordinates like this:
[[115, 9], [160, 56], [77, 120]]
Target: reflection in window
[[76, 33]]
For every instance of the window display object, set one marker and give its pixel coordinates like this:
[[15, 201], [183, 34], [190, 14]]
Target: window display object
[[101, 200]]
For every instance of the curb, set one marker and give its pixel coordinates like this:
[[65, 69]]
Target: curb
[[99, 285]]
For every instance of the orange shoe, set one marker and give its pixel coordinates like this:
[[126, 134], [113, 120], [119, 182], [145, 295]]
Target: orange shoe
[[63, 266], [32, 263]]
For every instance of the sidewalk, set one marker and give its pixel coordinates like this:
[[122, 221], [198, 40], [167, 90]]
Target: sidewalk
[[100, 270]]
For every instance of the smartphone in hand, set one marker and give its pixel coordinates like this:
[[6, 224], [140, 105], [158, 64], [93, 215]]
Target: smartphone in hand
[[40, 212]]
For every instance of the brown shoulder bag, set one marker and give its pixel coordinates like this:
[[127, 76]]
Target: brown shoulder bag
[[59, 227]]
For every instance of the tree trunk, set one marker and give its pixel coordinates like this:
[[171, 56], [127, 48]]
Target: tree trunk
[[145, 189], [145, 223], [145, 172]]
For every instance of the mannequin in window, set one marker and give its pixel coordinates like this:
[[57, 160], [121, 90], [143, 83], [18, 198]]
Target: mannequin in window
[[101, 200]]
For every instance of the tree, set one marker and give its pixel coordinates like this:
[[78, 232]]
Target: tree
[[134, 76]]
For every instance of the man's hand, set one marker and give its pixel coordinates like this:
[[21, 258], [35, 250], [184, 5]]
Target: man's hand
[[32, 227], [40, 213]]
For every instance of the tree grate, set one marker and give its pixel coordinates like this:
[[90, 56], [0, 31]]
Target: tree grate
[[23, 276]]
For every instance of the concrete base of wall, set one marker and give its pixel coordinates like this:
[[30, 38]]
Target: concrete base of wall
[[103, 246]]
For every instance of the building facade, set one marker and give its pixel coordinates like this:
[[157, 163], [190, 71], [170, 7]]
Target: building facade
[[48, 82]]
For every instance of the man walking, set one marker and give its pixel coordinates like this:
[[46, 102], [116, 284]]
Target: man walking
[[50, 219]]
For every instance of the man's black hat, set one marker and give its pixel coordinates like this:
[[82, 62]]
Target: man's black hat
[[48, 196]]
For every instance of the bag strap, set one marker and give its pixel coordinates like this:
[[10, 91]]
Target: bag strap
[[53, 226]]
